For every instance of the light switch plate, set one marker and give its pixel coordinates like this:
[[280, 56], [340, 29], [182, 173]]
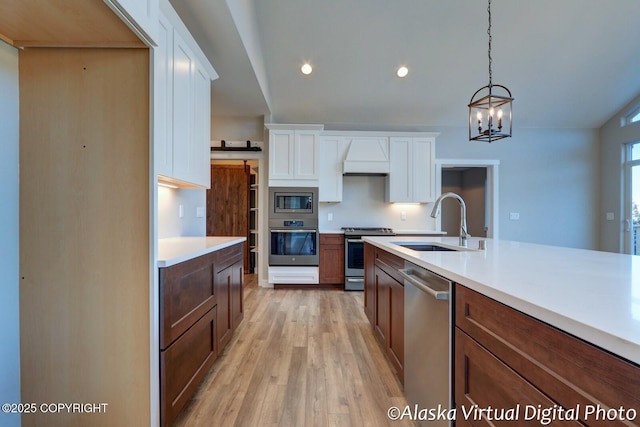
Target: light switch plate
[[200, 212], [514, 216], [610, 216]]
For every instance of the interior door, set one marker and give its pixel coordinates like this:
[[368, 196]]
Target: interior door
[[228, 203]]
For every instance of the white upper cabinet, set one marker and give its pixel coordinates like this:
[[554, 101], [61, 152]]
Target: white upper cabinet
[[411, 176], [293, 155], [184, 67], [141, 16], [332, 151], [163, 103], [281, 154], [182, 105], [305, 152], [201, 142]]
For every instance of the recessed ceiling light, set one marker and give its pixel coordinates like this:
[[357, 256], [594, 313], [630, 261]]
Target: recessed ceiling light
[[306, 69], [402, 71]]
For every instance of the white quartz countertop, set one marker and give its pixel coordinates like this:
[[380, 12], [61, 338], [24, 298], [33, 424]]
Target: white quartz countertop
[[397, 232], [589, 294], [418, 232], [175, 250]]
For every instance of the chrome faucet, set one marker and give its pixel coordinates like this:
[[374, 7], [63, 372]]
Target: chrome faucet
[[464, 235]]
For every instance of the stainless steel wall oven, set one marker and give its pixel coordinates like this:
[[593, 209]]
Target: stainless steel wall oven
[[293, 226], [291, 243]]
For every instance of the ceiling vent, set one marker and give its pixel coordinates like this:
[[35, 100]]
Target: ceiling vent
[[367, 156]]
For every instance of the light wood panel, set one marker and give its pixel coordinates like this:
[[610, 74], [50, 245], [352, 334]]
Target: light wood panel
[[84, 233], [299, 358], [63, 23]]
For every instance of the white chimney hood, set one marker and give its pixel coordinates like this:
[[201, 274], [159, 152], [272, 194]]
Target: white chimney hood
[[367, 156]]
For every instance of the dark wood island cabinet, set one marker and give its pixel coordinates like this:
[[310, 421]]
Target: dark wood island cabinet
[[505, 359], [201, 305], [384, 303]]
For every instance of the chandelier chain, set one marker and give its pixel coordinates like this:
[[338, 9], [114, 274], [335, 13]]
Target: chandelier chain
[[489, 33]]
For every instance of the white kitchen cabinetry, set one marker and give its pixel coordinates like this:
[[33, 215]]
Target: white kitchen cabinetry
[[141, 16], [411, 177], [367, 153], [331, 152], [182, 105], [183, 108], [201, 142], [163, 102], [293, 155], [294, 275]]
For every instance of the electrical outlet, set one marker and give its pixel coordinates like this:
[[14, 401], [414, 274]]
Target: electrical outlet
[[181, 211], [330, 216], [200, 212], [610, 216], [514, 216], [403, 216]]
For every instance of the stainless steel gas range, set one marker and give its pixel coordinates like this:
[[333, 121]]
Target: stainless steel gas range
[[354, 254]]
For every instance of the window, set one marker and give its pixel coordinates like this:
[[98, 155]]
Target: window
[[631, 117], [634, 151], [632, 199]]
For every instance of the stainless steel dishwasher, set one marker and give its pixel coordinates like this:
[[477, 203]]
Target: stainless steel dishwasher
[[427, 341]]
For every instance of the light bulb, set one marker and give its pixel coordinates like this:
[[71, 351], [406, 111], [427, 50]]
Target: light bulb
[[306, 69], [402, 71]]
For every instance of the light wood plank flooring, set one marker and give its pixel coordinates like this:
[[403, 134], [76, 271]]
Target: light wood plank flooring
[[299, 358]]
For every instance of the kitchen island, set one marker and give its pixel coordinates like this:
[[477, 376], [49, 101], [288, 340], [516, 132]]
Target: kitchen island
[[592, 295], [533, 326]]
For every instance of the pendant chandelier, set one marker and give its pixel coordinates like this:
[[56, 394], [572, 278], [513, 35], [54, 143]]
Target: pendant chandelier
[[490, 108]]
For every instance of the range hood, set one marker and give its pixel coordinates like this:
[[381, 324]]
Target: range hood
[[367, 156]]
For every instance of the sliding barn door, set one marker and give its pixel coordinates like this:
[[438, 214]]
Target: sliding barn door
[[228, 203]]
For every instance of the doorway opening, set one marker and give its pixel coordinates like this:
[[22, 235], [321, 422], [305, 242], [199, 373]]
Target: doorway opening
[[476, 181], [233, 204]]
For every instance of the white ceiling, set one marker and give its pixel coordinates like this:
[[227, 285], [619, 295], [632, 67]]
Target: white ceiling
[[568, 63]]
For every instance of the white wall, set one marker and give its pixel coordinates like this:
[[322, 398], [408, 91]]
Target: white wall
[[237, 128], [169, 222], [363, 205], [9, 234], [549, 176], [612, 139]]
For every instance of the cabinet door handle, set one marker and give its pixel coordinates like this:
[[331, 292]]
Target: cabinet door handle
[[354, 241], [291, 230]]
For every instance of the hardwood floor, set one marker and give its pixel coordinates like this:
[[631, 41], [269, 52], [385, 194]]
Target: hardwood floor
[[299, 358]]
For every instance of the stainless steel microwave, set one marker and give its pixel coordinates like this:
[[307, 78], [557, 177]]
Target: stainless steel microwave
[[293, 202]]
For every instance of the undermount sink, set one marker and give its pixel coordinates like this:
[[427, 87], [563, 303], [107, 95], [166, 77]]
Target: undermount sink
[[430, 247]]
